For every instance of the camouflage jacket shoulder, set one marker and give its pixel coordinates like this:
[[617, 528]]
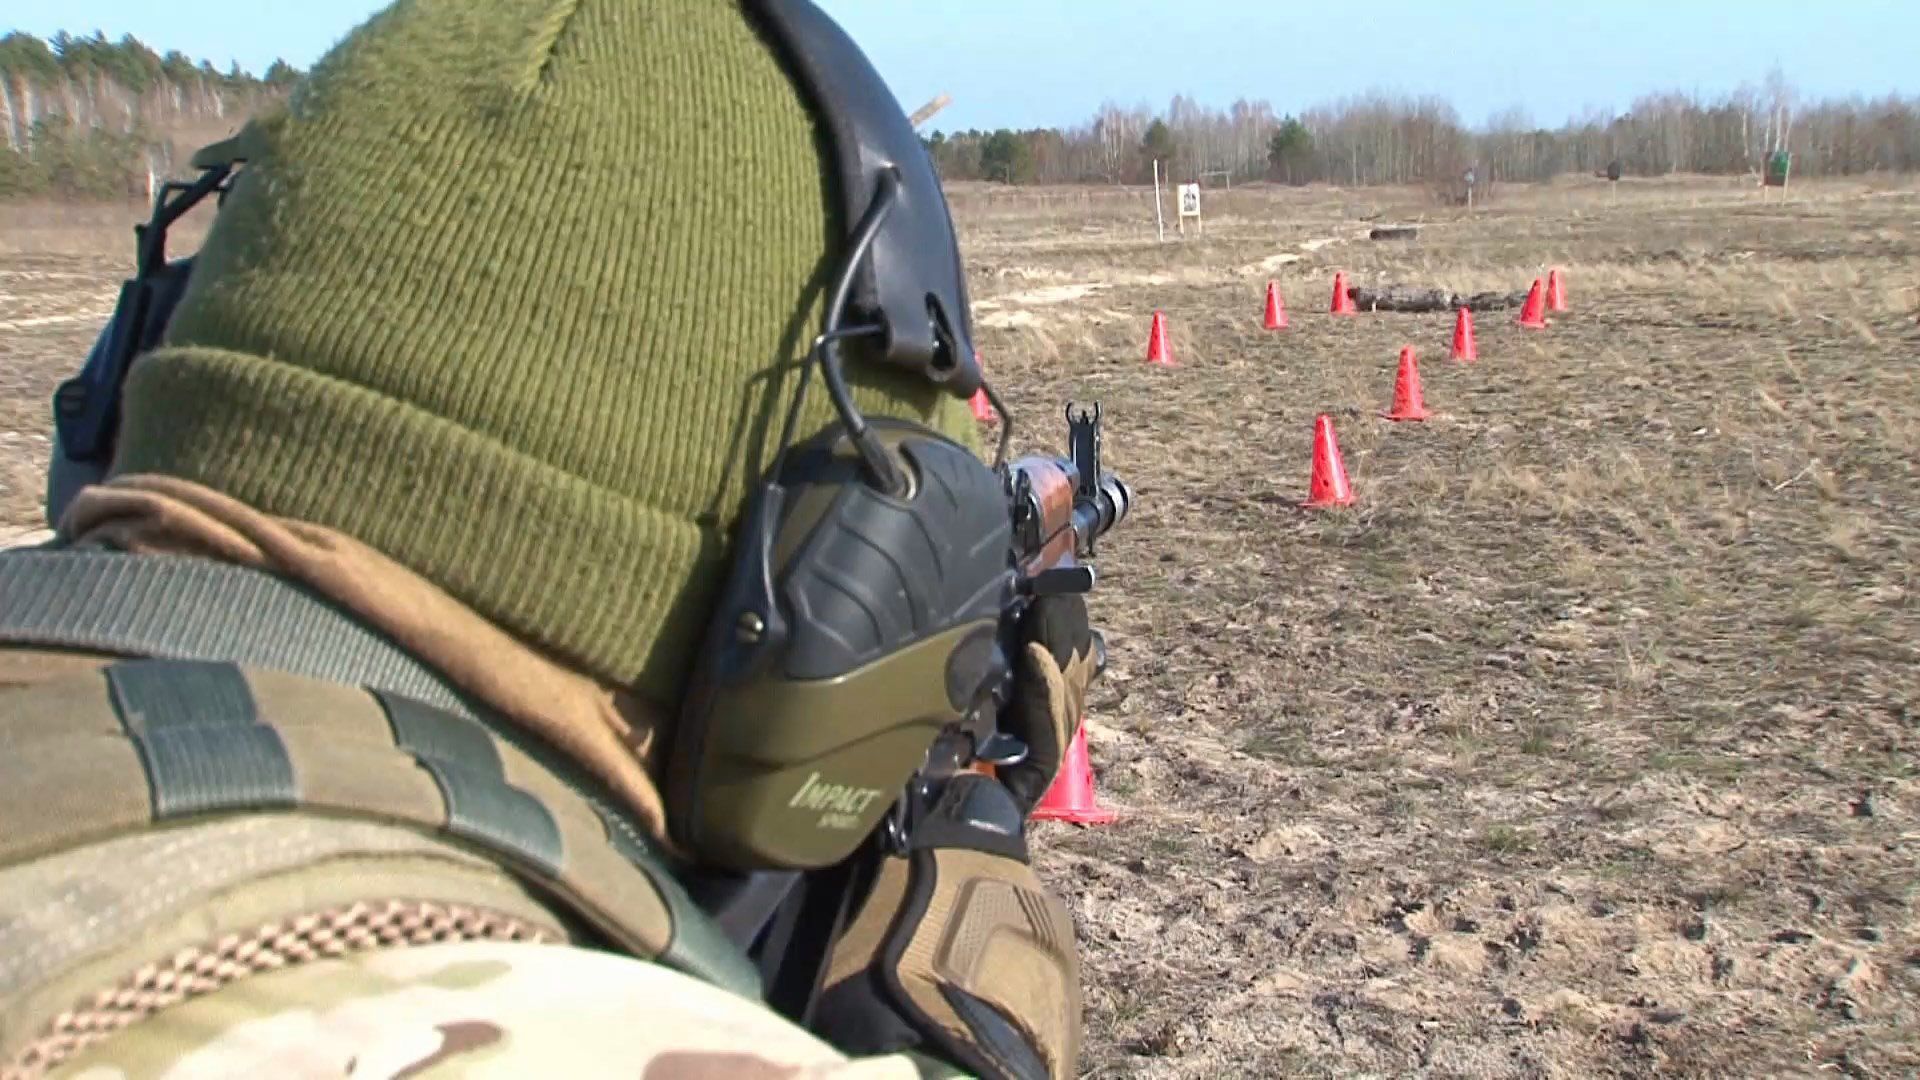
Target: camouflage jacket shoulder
[[478, 1009], [180, 837]]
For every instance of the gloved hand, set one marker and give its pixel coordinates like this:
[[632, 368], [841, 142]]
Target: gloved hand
[[958, 952], [1056, 665]]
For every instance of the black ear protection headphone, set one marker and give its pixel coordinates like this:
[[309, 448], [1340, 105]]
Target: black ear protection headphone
[[872, 559], [857, 633], [872, 565]]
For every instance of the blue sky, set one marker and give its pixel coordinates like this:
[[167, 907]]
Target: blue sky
[[1023, 63]]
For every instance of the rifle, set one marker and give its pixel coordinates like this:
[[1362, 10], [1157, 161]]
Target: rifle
[[1059, 509]]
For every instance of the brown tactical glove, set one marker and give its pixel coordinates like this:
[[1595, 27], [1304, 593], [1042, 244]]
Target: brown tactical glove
[[958, 952], [1057, 664]]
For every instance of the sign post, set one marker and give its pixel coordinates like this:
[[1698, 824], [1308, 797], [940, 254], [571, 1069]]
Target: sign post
[[1159, 219], [1613, 180], [1469, 178], [1190, 208]]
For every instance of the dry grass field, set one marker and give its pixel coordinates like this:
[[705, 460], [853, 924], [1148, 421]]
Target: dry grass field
[[60, 271], [1582, 745]]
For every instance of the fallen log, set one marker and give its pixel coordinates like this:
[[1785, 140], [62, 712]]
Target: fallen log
[[1393, 232], [1409, 298]]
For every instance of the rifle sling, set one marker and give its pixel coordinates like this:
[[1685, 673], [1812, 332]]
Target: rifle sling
[[184, 608]]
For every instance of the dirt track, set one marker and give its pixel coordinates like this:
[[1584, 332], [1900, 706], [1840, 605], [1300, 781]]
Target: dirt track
[[1582, 745]]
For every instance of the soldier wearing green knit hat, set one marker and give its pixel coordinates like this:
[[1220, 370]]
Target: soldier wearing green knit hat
[[505, 579]]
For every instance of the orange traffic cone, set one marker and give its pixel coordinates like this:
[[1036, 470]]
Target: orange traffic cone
[[1071, 796], [1533, 314], [1556, 291], [1463, 344], [1328, 486], [1157, 351], [1276, 311], [1408, 402], [1342, 302], [982, 408]]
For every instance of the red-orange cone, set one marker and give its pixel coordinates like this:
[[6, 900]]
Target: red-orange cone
[[1071, 797], [1463, 344], [1276, 311], [1342, 301], [982, 408], [1408, 402], [1533, 314], [1556, 291], [1328, 486], [1157, 351]]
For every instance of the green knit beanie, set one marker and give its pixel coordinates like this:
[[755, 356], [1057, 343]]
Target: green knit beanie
[[515, 292]]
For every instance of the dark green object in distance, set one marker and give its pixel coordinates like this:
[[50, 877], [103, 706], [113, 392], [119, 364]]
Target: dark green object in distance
[[1777, 165]]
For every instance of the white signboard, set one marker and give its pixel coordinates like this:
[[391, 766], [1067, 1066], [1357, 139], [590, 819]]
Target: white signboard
[[1189, 204]]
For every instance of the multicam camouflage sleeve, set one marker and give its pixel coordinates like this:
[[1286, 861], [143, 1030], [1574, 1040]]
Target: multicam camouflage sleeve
[[477, 1009]]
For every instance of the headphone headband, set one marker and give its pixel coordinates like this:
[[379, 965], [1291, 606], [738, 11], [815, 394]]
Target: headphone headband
[[912, 282]]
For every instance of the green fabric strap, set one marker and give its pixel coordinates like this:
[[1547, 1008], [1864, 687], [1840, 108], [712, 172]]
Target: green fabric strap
[[481, 804], [180, 608], [200, 738]]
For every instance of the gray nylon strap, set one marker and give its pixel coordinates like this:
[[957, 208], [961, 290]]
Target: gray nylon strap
[[180, 608], [200, 737], [177, 607], [698, 945], [153, 697], [481, 804], [491, 812], [203, 770], [425, 731]]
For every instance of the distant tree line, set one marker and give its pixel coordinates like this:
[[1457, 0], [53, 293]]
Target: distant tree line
[[1387, 139], [88, 117]]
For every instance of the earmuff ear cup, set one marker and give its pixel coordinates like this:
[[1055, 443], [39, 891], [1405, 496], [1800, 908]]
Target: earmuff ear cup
[[788, 759], [875, 573]]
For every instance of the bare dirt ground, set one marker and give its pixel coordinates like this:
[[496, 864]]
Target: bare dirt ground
[[1582, 745]]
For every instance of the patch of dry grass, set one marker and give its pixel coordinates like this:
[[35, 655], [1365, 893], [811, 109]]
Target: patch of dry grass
[[1546, 758]]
